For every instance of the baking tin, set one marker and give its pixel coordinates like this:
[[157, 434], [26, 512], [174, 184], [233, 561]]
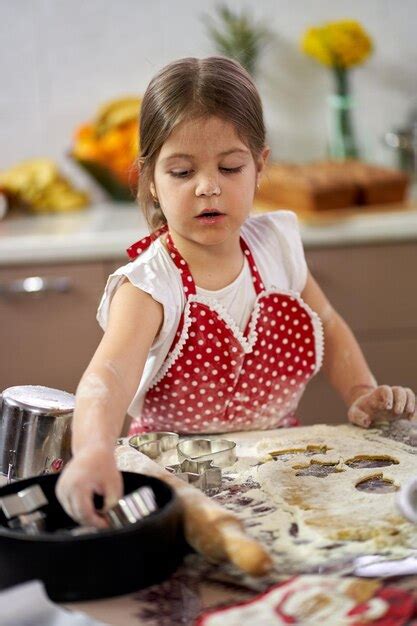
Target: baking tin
[[93, 565]]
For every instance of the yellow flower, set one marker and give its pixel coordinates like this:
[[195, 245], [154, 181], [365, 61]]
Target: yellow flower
[[339, 44]]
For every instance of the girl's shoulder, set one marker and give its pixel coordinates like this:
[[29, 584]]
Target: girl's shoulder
[[152, 272], [281, 223], [152, 264]]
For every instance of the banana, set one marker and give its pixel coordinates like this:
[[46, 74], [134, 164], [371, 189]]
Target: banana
[[34, 173], [116, 112], [37, 185]]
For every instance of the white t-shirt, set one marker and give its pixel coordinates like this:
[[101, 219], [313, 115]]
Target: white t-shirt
[[275, 242]]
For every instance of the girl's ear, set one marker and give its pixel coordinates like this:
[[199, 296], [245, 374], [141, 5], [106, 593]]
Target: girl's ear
[[264, 156], [152, 189], [262, 161]]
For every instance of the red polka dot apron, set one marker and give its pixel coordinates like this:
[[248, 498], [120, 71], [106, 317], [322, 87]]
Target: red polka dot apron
[[217, 378]]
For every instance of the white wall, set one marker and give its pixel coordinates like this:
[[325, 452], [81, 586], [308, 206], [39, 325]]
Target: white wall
[[60, 59]]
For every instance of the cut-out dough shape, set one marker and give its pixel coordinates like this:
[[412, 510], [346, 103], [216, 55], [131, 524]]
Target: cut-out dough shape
[[363, 460], [376, 484], [308, 450], [320, 469]]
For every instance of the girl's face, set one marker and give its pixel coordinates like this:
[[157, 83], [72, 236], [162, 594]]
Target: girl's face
[[204, 167]]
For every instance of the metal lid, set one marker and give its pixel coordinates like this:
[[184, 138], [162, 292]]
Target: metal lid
[[43, 399]]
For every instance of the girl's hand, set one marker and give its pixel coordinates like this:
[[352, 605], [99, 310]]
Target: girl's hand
[[382, 403], [91, 471]]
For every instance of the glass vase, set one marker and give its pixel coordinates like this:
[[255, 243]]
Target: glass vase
[[342, 143]]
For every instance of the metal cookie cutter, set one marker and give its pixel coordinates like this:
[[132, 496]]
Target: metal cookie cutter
[[221, 452], [154, 444], [201, 474], [22, 509], [128, 510], [132, 508]]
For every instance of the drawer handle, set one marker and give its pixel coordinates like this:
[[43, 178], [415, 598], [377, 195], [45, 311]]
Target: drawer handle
[[32, 285]]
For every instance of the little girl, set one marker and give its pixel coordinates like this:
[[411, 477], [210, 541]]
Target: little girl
[[216, 324]]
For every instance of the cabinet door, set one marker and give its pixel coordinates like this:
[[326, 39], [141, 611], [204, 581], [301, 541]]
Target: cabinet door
[[112, 266], [372, 287], [393, 361], [49, 336]]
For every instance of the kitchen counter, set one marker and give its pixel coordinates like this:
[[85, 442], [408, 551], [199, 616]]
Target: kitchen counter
[[104, 231]]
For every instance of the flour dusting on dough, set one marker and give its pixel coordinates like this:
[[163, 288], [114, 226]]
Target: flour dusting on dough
[[315, 523]]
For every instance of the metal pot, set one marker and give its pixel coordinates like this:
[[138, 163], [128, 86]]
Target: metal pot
[[35, 430], [404, 142]]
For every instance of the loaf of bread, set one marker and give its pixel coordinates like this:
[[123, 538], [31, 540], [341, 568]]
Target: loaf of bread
[[327, 185], [300, 187], [375, 184]]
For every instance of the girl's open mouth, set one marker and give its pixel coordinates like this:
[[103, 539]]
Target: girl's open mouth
[[210, 217]]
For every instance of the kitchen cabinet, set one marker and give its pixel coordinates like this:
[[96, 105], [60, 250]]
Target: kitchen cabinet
[[49, 338], [372, 287]]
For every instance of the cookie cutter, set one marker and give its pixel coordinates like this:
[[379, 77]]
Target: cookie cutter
[[22, 512], [200, 460], [131, 508], [128, 510], [154, 444], [221, 452], [201, 474]]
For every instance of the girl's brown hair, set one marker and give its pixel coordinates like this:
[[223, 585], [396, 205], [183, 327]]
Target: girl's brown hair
[[193, 88]]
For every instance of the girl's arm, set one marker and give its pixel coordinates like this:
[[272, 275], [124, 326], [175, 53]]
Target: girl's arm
[[103, 396], [348, 371]]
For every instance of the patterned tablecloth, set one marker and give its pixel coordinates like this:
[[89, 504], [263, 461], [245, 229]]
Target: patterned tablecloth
[[198, 585]]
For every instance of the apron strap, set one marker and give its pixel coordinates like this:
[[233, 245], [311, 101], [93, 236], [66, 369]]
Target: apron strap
[[186, 277], [140, 246], [256, 277]]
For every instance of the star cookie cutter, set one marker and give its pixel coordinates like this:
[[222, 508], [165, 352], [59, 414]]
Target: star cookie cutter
[[201, 474], [200, 460], [154, 444], [221, 452]]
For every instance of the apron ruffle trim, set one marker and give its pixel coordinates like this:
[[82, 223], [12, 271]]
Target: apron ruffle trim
[[248, 343]]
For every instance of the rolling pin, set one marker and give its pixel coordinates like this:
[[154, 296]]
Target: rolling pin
[[210, 529]]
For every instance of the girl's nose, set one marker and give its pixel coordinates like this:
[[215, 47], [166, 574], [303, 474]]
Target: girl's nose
[[208, 187]]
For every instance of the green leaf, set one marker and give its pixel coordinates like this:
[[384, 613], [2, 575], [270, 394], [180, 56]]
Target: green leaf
[[237, 36], [107, 180]]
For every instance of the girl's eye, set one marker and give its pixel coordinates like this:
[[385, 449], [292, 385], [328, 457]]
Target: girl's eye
[[183, 174], [225, 170], [232, 170]]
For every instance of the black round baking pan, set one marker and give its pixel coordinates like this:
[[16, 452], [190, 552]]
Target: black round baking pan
[[98, 565]]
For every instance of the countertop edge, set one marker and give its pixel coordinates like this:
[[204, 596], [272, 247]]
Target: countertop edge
[[103, 233]]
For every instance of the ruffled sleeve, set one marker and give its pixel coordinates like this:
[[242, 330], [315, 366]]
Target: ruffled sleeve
[[278, 249], [146, 274], [287, 226]]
